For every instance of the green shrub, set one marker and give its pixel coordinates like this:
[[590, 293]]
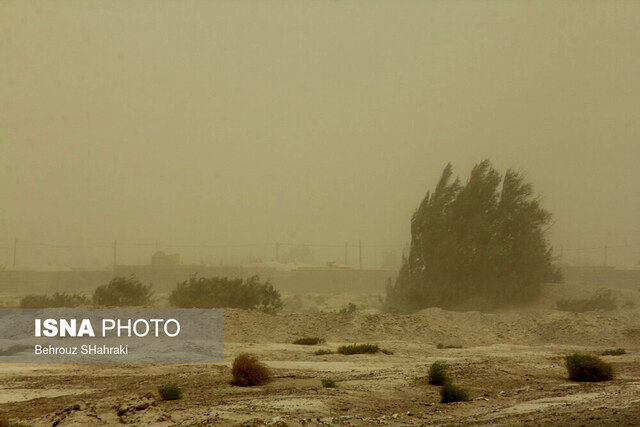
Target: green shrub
[[358, 349], [585, 367], [441, 346], [170, 391], [438, 374], [222, 292], [248, 371], [386, 351], [614, 352], [601, 300], [329, 383], [123, 292], [453, 393], [54, 301], [309, 341], [322, 352]]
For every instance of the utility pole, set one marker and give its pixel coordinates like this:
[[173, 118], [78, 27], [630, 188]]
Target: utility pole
[[346, 253], [115, 254], [360, 253], [277, 251], [15, 249]]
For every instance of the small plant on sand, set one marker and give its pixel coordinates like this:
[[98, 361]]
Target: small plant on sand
[[386, 351], [309, 341], [322, 352], [585, 367], [441, 346], [329, 383], [614, 352], [248, 371], [453, 393], [358, 349], [170, 391], [438, 374]]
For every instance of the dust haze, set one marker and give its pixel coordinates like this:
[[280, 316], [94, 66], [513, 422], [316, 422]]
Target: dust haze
[[235, 123]]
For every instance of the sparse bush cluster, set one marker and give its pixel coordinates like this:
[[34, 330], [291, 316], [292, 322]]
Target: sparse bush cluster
[[119, 292], [56, 300], [247, 371], [123, 292], [222, 292], [216, 292], [322, 352], [588, 368], [475, 245], [449, 392], [601, 300]]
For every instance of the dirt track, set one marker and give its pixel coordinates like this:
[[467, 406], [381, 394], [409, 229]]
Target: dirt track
[[511, 362]]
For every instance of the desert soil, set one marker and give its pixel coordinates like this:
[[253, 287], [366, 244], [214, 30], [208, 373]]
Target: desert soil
[[510, 361]]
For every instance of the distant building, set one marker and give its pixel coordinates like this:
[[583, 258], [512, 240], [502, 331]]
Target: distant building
[[160, 258]]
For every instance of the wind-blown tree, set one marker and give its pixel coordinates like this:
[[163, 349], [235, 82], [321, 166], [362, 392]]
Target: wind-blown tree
[[475, 246]]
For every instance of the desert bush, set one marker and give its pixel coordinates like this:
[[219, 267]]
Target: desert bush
[[585, 367], [248, 371], [123, 292], [438, 374], [54, 301], [453, 393], [329, 383], [614, 352], [349, 309], [322, 352], [475, 245], [601, 300], [386, 351], [358, 349], [441, 346], [170, 391], [309, 341], [222, 292]]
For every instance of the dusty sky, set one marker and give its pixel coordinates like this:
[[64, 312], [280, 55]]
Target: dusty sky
[[245, 122]]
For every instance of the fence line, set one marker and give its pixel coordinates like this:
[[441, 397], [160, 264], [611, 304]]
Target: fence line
[[355, 253]]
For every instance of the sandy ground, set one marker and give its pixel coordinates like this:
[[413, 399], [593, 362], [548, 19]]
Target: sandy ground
[[511, 362]]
